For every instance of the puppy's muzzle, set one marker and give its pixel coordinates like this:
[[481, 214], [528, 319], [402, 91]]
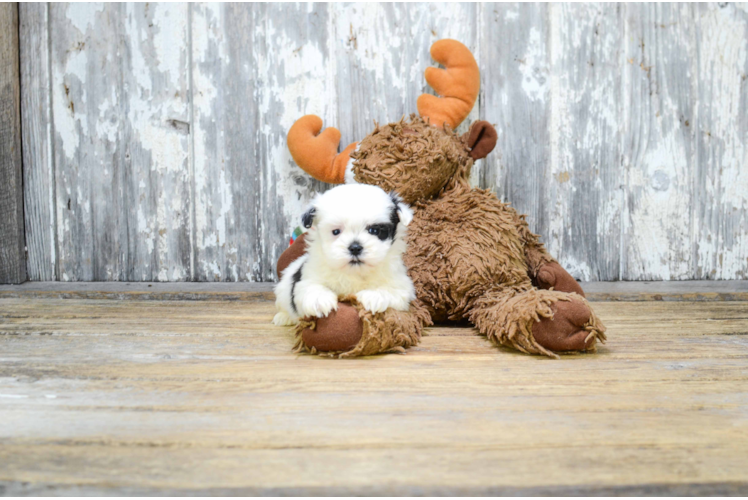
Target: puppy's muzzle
[[355, 248]]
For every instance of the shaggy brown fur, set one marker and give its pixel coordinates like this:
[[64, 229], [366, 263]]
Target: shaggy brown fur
[[412, 158], [461, 246]]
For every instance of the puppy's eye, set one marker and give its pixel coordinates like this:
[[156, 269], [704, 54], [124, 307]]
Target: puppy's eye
[[380, 231], [335, 232]]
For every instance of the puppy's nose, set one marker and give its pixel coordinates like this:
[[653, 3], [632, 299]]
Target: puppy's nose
[[355, 248]]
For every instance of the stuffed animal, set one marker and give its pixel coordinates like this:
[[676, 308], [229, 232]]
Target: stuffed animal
[[470, 256]]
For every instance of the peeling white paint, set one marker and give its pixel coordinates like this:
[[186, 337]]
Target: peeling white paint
[[532, 67], [172, 26], [71, 123], [82, 15], [662, 217], [107, 125]]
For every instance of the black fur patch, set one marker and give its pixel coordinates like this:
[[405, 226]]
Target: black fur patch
[[394, 215], [296, 279], [308, 218], [383, 230], [395, 198]]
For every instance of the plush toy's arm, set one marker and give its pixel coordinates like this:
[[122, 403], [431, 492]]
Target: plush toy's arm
[[536, 255], [544, 271]]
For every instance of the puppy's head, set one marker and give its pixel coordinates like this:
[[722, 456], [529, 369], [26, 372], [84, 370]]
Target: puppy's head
[[357, 227]]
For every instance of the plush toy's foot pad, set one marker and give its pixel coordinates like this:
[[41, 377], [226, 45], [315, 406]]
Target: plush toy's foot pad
[[339, 331], [573, 327], [353, 331]]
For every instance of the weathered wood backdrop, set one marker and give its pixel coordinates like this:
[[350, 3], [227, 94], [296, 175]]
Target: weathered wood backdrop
[[154, 134]]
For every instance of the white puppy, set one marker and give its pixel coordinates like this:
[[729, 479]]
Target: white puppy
[[355, 245]]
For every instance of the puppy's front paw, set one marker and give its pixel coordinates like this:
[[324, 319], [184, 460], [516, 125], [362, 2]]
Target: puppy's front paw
[[373, 300], [282, 318], [319, 304]]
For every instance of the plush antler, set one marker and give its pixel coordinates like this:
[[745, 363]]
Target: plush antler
[[317, 154], [458, 85]]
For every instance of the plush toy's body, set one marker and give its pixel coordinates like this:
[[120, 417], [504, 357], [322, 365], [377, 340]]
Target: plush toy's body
[[470, 256]]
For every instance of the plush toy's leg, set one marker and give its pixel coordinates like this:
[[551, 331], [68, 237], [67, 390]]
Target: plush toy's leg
[[537, 321], [352, 331], [543, 269]]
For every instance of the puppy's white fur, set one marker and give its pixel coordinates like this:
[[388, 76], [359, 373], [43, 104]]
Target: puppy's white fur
[[339, 218]]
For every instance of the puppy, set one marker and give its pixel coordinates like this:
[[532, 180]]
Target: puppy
[[355, 245]]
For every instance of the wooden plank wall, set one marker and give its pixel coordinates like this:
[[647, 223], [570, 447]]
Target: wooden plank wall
[[154, 134], [12, 253]]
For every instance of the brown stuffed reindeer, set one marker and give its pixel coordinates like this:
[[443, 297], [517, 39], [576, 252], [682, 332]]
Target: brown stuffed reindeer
[[471, 257]]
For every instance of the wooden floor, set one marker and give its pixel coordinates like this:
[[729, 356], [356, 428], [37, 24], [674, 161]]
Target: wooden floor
[[165, 397]]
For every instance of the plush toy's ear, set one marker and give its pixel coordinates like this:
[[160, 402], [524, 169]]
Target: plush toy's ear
[[308, 218], [481, 139]]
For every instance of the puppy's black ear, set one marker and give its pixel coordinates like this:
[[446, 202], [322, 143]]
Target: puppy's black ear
[[308, 218]]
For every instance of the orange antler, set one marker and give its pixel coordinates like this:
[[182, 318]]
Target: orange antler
[[458, 85], [317, 154]]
